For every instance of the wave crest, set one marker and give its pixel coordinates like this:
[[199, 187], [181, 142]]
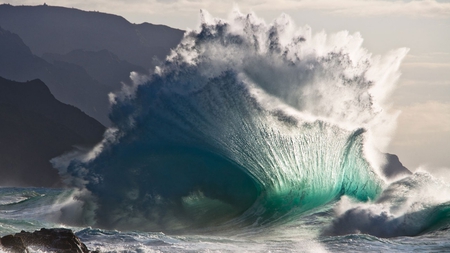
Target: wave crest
[[257, 120]]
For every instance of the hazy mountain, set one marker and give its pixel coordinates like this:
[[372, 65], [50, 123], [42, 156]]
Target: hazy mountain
[[104, 66], [35, 127], [49, 29], [87, 54], [394, 167], [69, 83]]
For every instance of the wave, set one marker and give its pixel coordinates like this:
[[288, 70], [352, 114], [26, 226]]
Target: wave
[[415, 205], [245, 123], [33, 208]]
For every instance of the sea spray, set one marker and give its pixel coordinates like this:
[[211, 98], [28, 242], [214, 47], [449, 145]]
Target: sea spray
[[411, 206], [244, 123]]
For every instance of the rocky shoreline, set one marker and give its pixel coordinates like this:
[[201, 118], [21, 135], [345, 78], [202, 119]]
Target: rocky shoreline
[[59, 240]]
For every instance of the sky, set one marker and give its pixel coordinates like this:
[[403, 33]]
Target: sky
[[422, 138]]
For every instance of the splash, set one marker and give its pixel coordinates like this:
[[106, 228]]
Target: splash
[[244, 123], [412, 206]]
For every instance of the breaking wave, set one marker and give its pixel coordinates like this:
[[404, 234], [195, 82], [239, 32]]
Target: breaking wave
[[244, 124]]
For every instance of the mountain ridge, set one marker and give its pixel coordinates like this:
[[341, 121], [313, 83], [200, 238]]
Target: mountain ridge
[[68, 82], [104, 66], [34, 128], [53, 29]]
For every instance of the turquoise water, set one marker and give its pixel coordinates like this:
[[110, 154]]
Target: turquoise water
[[249, 137], [300, 234]]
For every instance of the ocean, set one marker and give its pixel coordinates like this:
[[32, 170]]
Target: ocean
[[249, 137]]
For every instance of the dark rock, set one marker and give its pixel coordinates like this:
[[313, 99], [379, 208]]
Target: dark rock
[[13, 243], [394, 167], [52, 240]]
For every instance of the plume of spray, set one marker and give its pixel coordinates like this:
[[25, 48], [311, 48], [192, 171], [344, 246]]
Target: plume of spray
[[245, 90], [290, 69]]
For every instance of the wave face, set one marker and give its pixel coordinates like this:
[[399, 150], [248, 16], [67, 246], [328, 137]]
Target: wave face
[[244, 123]]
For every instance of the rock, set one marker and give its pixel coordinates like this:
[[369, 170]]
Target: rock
[[13, 243], [394, 167], [59, 240]]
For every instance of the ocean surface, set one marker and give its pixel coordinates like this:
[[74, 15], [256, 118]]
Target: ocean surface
[[33, 208], [249, 137]]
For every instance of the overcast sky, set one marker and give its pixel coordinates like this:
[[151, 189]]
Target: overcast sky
[[423, 93]]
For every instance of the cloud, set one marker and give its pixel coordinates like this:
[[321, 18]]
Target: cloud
[[425, 127], [420, 122], [429, 65], [418, 8], [421, 8], [423, 134], [428, 83], [428, 60]]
